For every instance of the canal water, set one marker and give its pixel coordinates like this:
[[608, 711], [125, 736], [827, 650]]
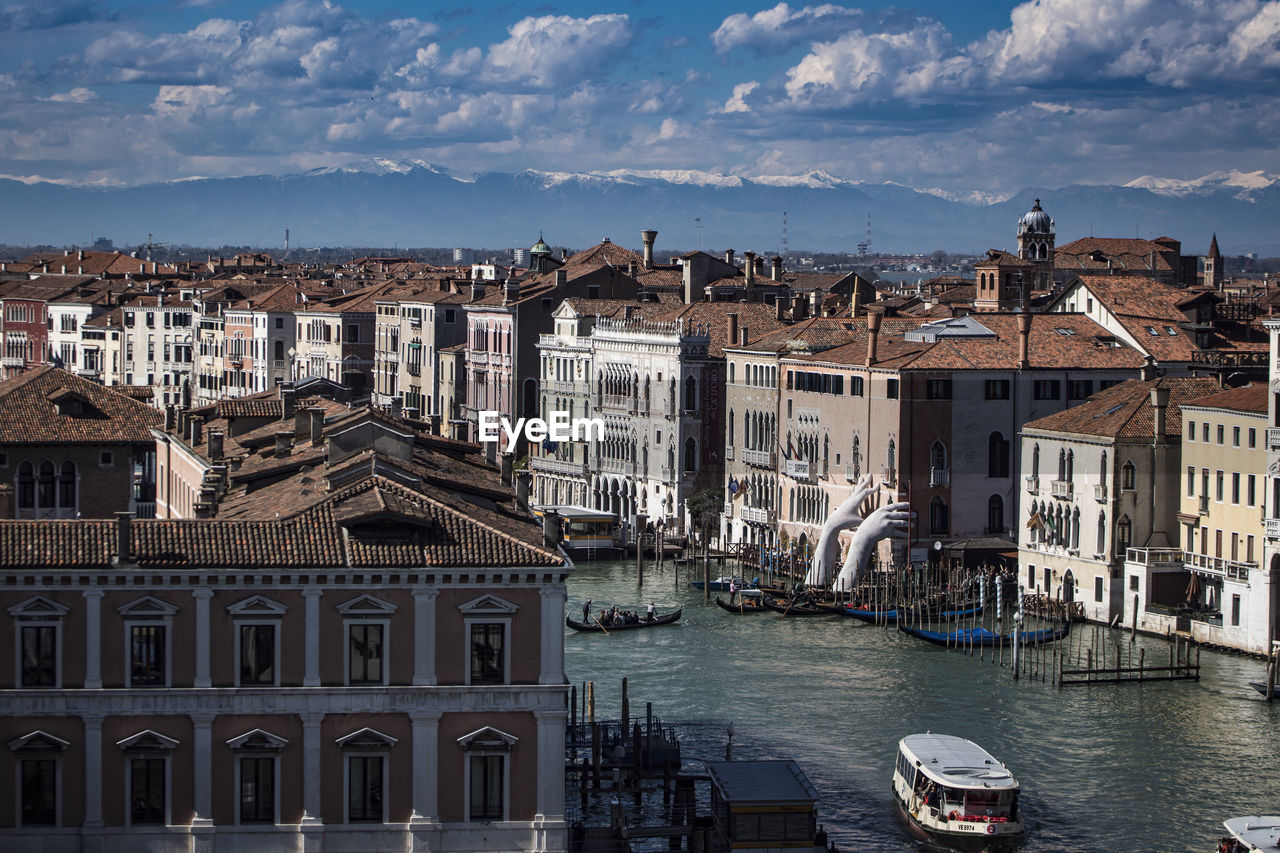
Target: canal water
[[1150, 767]]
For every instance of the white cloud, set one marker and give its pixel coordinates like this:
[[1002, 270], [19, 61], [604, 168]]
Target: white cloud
[[737, 103], [550, 51], [78, 95], [780, 28]]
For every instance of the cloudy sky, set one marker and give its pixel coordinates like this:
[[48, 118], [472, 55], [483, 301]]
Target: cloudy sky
[[982, 98]]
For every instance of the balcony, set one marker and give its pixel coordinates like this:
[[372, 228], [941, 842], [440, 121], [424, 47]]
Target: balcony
[[551, 465], [1061, 489], [1204, 504], [728, 453], [1273, 439], [1033, 485], [618, 466], [756, 515], [1100, 493], [617, 401], [1273, 528], [669, 475], [889, 476], [939, 476], [1220, 566], [145, 509], [759, 458], [1160, 558], [851, 473], [728, 509]]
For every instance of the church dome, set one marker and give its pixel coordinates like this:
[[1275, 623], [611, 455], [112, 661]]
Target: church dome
[[540, 248], [1035, 221]]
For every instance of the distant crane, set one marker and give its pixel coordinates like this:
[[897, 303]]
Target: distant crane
[[782, 248], [865, 246], [151, 244]]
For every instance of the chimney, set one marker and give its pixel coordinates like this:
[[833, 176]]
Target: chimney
[[397, 407], [1148, 369], [302, 423], [873, 335], [510, 291], [779, 308], [631, 269], [731, 335], [1024, 341], [522, 491], [728, 256], [80, 255], [170, 418], [477, 291], [1159, 412], [284, 444], [744, 336], [551, 531], [775, 268], [288, 402], [800, 307], [215, 445], [197, 429], [749, 267], [647, 237], [124, 539], [562, 278], [317, 427]]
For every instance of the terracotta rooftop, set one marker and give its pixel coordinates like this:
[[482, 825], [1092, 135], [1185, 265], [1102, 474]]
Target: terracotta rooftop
[[90, 413], [1250, 398], [1125, 411]]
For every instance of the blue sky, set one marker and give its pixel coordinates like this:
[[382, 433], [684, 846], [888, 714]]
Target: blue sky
[[966, 98]]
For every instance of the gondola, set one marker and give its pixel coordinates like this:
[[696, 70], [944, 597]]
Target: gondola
[[746, 605], [1261, 687], [982, 638], [594, 625], [788, 608]]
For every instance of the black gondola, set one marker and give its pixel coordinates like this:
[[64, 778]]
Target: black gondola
[[594, 624], [796, 608], [744, 605]]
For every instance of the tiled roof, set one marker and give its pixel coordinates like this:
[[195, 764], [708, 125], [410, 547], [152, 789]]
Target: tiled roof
[[28, 414], [1250, 398], [92, 263], [1001, 258], [1136, 295], [756, 317], [1124, 410], [1119, 254], [436, 534]]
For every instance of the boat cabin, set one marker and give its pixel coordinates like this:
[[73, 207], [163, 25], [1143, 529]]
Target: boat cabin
[[951, 786], [762, 806]]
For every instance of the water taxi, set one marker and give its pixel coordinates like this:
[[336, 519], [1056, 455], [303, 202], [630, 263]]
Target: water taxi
[[587, 532], [955, 791], [1255, 832]]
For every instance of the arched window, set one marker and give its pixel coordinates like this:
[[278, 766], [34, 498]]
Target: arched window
[[938, 456], [732, 366], [691, 395], [1062, 464], [1075, 529], [938, 515], [67, 486], [1127, 475], [995, 514], [1124, 533], [1035, 461], [891, 457], [1102, 533], [279, 350], [997, 456], [731, 429], [26, 486], [45, 492], [1071, 465], [690, 455]]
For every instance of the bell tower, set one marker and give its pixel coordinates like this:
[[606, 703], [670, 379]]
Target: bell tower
[[1036, 244]]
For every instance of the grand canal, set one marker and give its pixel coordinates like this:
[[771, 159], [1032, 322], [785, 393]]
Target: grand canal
[[1150, 767]]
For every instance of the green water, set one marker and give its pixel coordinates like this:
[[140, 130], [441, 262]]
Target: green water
[[1151, 767]]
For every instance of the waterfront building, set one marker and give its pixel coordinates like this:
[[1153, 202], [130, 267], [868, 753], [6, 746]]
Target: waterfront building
[[1102, 481]]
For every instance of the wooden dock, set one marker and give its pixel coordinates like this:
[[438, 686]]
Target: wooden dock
[[1183, 665]]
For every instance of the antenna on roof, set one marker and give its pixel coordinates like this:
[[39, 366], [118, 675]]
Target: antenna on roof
[[782, 249], [865, 246]]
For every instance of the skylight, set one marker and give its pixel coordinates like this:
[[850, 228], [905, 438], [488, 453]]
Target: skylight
[[1111, 411], [1151, 330], [1171, 330], [1063, 331]]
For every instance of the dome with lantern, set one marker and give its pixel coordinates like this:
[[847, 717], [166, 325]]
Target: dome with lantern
[[1035, 221]]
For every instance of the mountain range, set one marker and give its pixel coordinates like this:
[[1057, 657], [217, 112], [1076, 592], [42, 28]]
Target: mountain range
[[413, 203]]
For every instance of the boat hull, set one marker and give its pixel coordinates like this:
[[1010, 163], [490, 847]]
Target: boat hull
[[743, 608], [982, 638], [1010, 837], [593, 626]]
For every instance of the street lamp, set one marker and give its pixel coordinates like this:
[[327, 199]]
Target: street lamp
[[728, 748]]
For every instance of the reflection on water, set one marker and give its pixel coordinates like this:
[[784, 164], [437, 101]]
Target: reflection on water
[[1151, 767]]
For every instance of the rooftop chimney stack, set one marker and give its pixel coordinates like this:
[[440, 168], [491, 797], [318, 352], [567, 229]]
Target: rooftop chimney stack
[[749, 267], [284, 444], [873, 335], [288, 402], [317, 427], [728, 256], [477, 291], [731, 335], [779, 308], [1024, 341], [775, 268], [215, 446], [744, 336], [1159, 412], [197, 429], [124, 539], [1148, 369], [800, 307], [562, 278], [648, 237]]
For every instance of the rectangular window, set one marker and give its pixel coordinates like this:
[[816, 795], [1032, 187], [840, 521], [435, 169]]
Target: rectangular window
[[1249, 490], [1191, 481], [257, 790], [1047, 580], [1235, 611], [365, 650], [1097, 589], [1191, 430], [1204, 432], [1248, 548], [996, 389], [1031, 577], [938, 389], [146, 791], [39, 656], [487, 653], [257, 654], [1133, 583], [353, 333], [1235, 487], [39, 791], [364, 789], [1253, 437], [1046, 389], [891, 389], [1079, 389], [855, 386], [1235, 436], [1222, 434], [146, 655], [486, 787], [1219, 481]]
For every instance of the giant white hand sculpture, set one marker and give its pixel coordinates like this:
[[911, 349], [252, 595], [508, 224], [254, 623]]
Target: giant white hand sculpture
[[826, 550], [887, 522]]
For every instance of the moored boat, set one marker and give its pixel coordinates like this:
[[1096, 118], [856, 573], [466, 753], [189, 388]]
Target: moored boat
[[1261, 687], [796, 608], [1252, 832], [983, 638], [609, 628], [894, 616], [956, 791], [746, 603], [722, 584]]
